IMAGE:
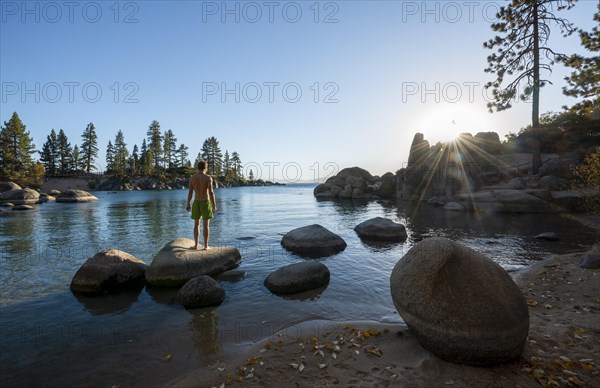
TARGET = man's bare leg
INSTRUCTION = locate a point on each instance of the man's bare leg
(206, 233)
(196, 233)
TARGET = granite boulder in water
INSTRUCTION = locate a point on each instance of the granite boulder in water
(20, 197)
(298, 277)
(108, 271)
(313, 241)
(177, 262)
(462, 306)
(381, 229)
(75, 196)
(201, 291)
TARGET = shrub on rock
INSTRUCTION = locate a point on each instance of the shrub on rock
(461, 305)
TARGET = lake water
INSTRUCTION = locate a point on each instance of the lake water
(50, 336)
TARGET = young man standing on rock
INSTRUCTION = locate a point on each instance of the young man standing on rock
(204, 202)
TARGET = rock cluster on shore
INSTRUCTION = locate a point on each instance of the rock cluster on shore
(357, 183)
(23, 198)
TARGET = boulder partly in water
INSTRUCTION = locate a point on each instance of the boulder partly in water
(298, 277)
(462, 306)
(381, 229)
(177, 262)
(75, 196)
(201, 291)
(108, 271)
(313, 241)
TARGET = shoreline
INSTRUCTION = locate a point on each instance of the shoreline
(563, 346)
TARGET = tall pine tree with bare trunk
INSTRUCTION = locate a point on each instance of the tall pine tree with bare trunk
(521, 53)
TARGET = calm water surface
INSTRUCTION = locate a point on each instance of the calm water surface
(50, 336)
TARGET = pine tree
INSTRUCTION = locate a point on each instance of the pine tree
(146, 159)
(75, 159)
(65, 153)
(49, 154)
(182, 155)
(213, 155)
(16, 149)
(199, 157)
(155, 142)
(236, 164)
(110, 158)
(522, 53)
(585, 80)
(226, 164)
(169, 148)
(120, 154)
(251, 175)
(89, 148)
(134, 161)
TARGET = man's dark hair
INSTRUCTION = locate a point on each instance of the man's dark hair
(202, 165)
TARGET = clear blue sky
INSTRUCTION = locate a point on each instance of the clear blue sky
(172, 61)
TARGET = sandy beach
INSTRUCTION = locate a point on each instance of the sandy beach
(563, 347)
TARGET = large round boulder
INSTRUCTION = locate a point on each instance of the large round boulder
(22, 207)
(108, 271)
(177, 262)
(313, 241)
(75, 196)
(381, 229)
(20, 197)
(462, 306)
(201, 291)
(7, 186)
(298, 277)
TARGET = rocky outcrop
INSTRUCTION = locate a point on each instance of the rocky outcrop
(177, 262)
(357, 183)
(20, 197)
(108, 271)
(381, 229)
(201, 291)
(7, 186)
(75, 196)
(313, 241)
(461, 305)
(298, 277)
(561, 167)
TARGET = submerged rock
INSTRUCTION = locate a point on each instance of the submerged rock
(461, 305)
(20, 197)
(177, 262)
(75, 196)
(201, 291)
(313, 241)
(298, 277)
(108, 271)
(381, 229)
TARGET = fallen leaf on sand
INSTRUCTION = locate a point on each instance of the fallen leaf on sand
(294, 365)
(334, 356)
(301, 367)
(253, 361)
(268, 345)
(321, 366)
(531, 303)
(375, 352)
(168, 357)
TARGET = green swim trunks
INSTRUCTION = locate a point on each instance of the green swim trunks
(201, 209)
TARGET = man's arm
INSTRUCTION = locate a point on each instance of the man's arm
(211, 195)
(190, 192)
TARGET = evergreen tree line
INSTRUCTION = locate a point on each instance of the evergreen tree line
(158, 153)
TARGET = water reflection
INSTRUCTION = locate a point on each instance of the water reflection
(205, 332)
(110, 303)
(310, 295)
